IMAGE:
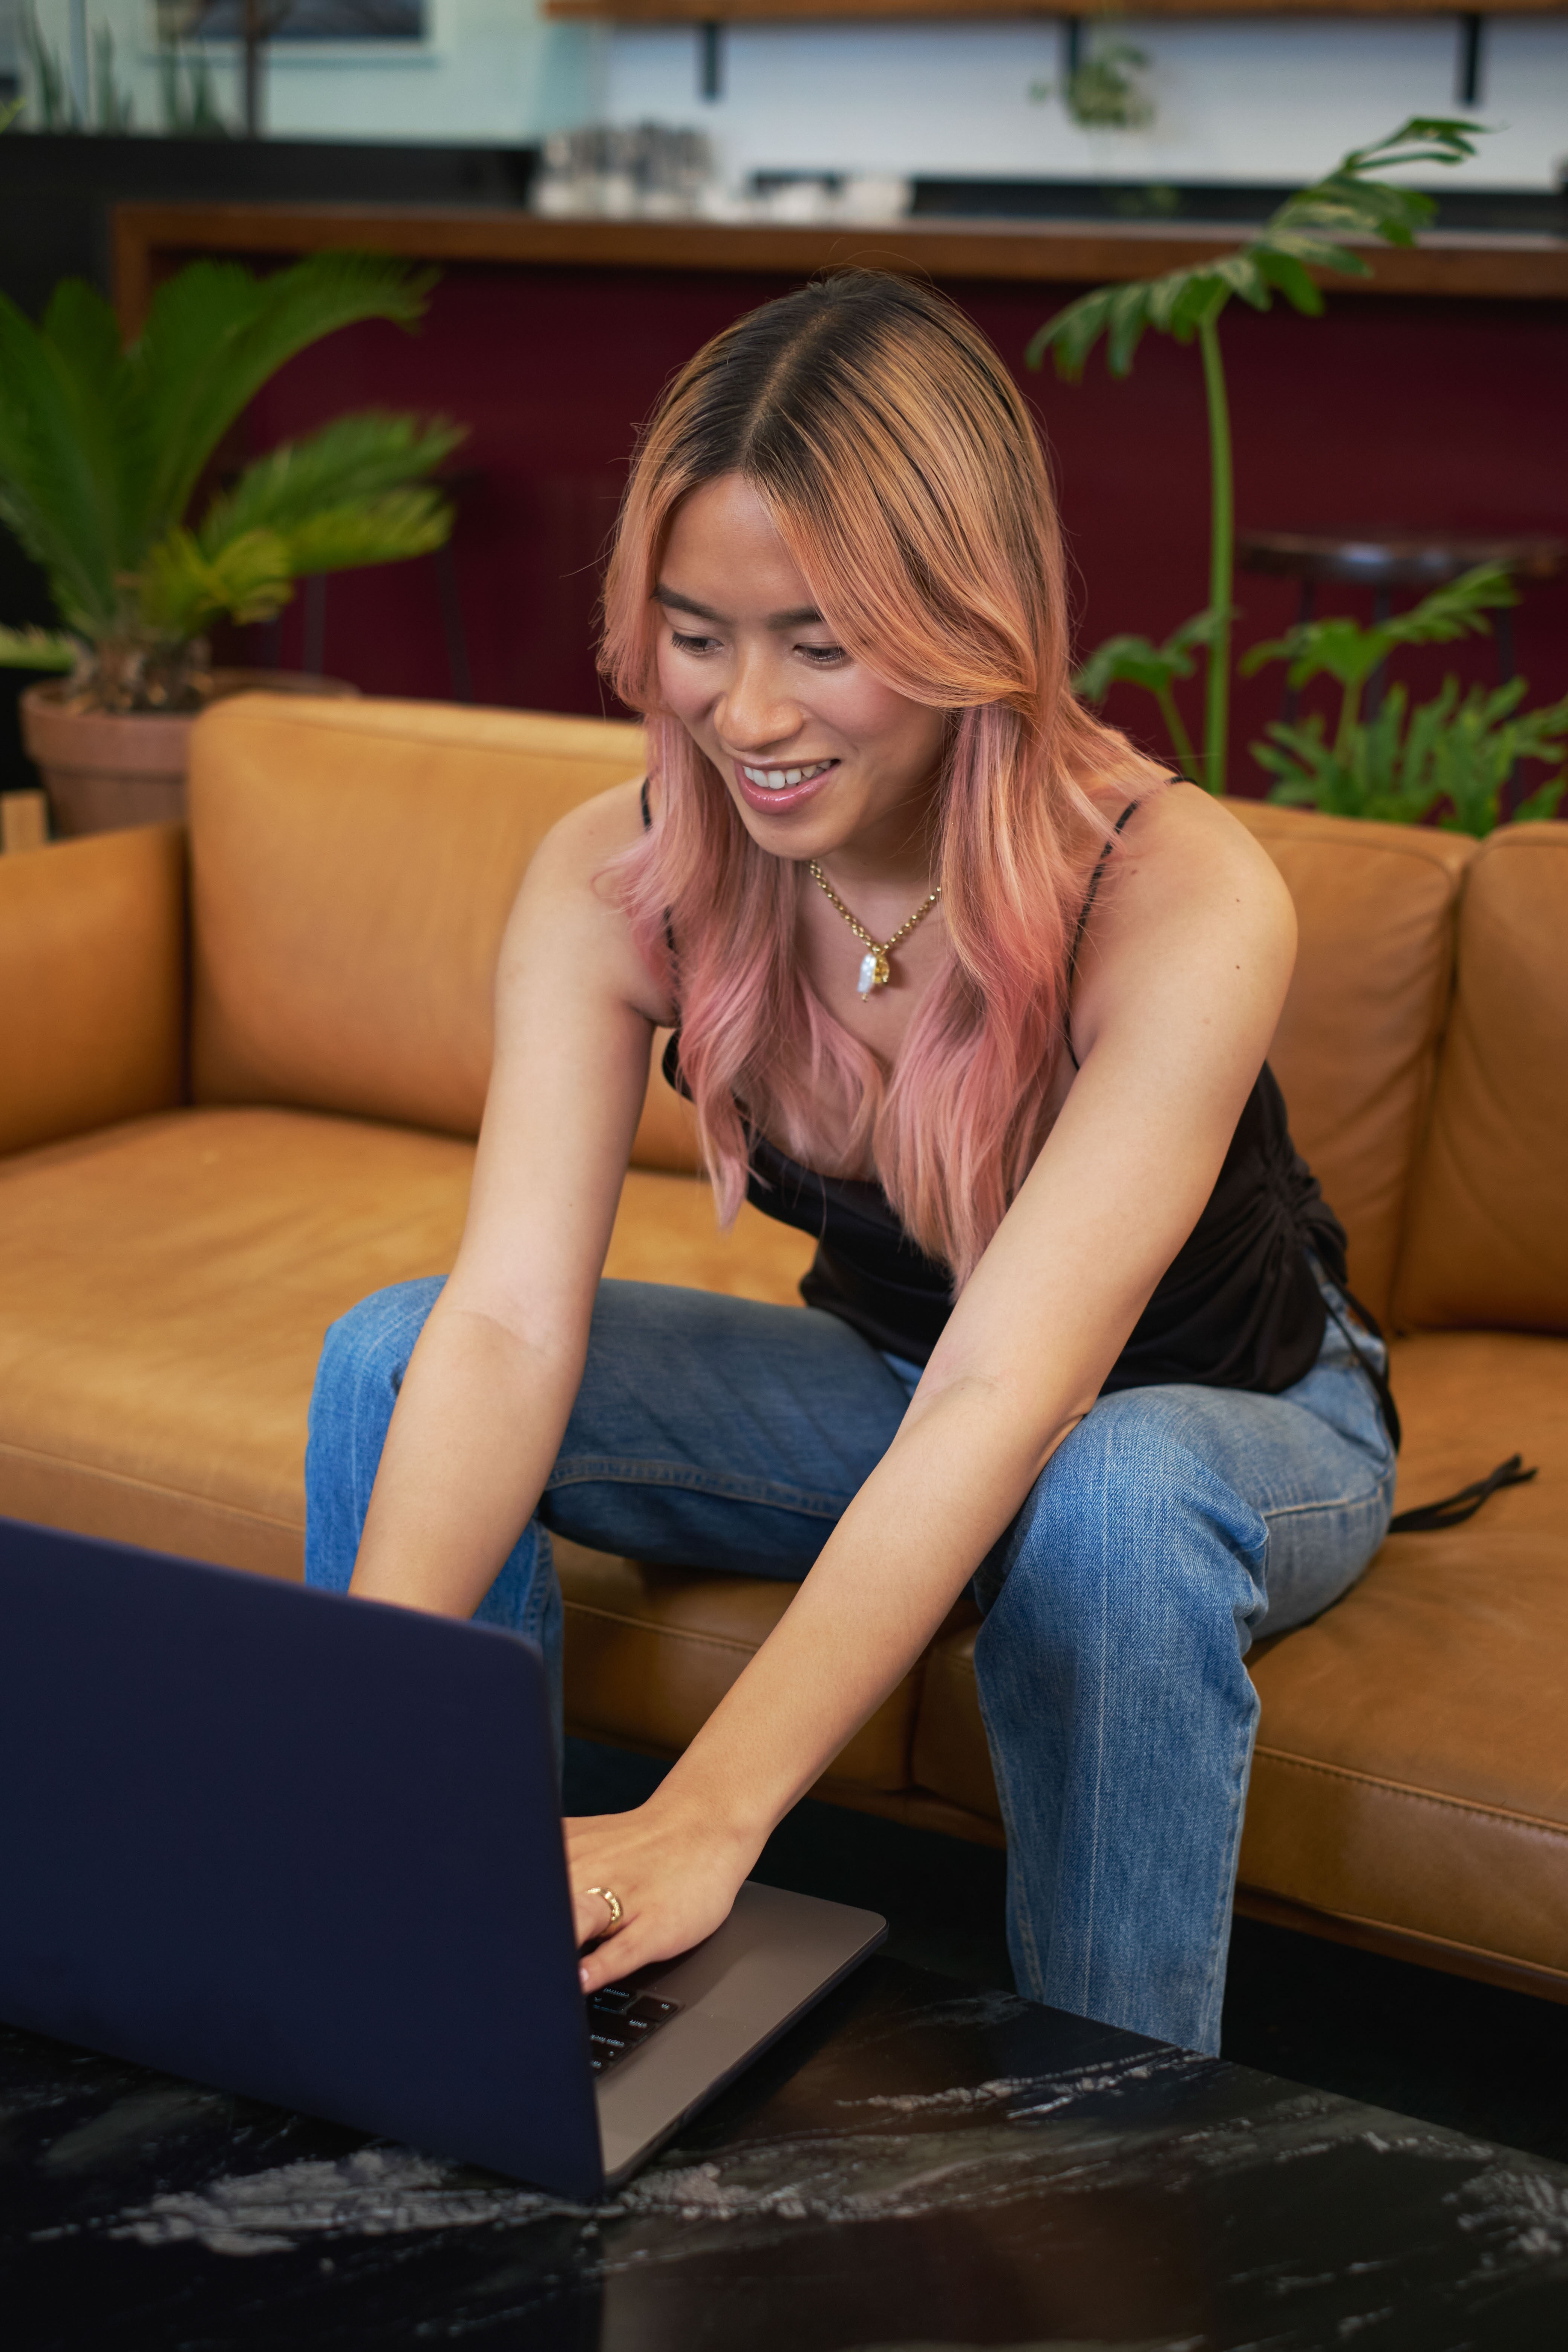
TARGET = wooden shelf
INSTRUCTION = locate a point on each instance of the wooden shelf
(737, 12)
(152, 240)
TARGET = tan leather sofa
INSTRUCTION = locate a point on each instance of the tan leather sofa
(239, 1074)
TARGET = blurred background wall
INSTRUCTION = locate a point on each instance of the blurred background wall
(1249, 99)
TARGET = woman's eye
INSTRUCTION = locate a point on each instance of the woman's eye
(691, 645)
(823, 656)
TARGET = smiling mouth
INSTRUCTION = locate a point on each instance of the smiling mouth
(779, 779)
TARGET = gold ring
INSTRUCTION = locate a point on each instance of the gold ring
(614, 1901)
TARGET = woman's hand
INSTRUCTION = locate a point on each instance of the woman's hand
(674, 1877)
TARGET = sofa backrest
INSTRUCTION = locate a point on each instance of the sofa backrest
(92, 983)
(352, 865)
(1356, 1048)
(1486, 1237)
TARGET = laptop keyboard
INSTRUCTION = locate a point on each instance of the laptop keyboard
(620, 2020)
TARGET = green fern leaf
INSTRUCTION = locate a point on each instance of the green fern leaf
(215, 333)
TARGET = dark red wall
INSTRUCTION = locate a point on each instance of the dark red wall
(1426, 413)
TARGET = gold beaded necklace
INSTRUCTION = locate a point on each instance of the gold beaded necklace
(876, 971)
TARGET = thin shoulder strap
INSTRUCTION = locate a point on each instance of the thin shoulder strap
(1084, 913)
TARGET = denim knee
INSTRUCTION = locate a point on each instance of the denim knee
(1129, 1529)
(372, 1343)
(364, 1358)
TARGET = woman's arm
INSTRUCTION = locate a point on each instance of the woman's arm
(1183, 973)
(490, 1386)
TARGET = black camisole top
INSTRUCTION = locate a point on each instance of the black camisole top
(1238, 1308)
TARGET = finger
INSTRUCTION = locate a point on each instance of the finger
(617, 1956)
(591, 1917)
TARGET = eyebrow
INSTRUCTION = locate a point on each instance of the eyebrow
(800, 616)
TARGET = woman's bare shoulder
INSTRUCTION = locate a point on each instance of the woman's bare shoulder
(569, 911)
(1180, 839)
(578, 843)
(1189, 902)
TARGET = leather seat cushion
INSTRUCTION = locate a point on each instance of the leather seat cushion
(650, 1652)
(167, 1282)
(1409, 1765)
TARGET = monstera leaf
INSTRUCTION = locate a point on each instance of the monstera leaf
(1309, 231)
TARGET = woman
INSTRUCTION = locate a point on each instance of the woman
(972, 988)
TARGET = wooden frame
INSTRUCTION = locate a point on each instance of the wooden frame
(151, 240)
(735, 11)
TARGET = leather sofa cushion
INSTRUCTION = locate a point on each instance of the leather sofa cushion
(1409, 1765)
(351, 879)
(1356, 1048)
(167, 1283)
(665, 1231)
(93, 975)
(650, 1652)
(1487, 1234)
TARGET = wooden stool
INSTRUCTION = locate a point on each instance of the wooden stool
(1383, 561)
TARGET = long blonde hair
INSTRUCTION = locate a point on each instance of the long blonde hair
(903, 473)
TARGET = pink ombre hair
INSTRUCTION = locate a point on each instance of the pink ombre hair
(904, 475)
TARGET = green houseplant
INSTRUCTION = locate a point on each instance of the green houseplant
(1457, 757)
(107, 457)
(1306, 232)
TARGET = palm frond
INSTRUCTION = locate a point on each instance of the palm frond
(387, 529)
(107, 411)
(354, 459)
(58, 481)
(215, 333)
(182, 590)
(33, 648)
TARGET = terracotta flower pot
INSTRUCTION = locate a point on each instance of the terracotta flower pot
(105, 769)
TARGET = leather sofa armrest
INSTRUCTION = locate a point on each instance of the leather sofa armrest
(92, 983)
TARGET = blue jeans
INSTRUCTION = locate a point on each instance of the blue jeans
(1173, 1527)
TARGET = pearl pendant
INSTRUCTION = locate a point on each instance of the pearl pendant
(875, 971)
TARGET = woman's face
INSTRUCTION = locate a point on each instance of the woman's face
(821, 757)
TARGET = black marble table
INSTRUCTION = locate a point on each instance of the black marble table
(916, 2166)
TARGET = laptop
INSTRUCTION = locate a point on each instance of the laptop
(309, 1849)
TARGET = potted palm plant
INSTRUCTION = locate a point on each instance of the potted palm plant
(107, 464)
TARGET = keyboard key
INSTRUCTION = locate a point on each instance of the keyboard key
(621, 2019)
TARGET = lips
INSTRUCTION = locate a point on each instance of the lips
(794, 784)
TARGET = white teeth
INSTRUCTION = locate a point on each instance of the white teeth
(776, 779)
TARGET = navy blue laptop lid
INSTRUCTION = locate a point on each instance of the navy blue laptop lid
(301, 1847)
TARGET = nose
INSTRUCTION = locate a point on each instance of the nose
(754, 714)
